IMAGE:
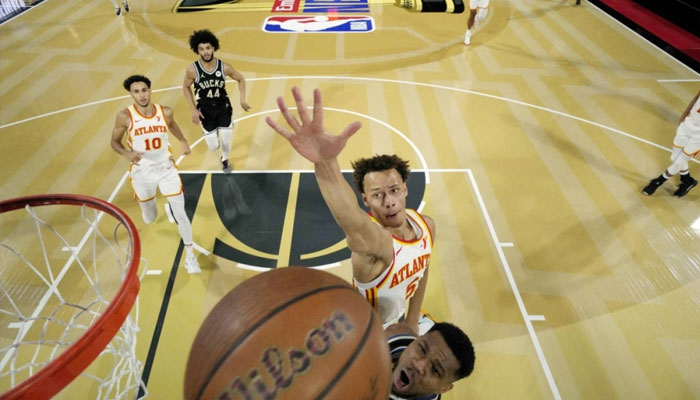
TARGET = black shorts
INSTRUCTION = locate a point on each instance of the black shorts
(216, 115)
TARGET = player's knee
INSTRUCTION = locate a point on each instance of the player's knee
(177, 205)
(680, 163)
(149, 212)
(481, 14)
(212, 140)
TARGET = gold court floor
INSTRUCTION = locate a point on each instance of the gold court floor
(533, 145)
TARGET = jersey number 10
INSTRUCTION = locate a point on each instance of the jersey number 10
(153, 144)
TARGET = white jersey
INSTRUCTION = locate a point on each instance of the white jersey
(692, 121)
(149, 135)
(392, 289)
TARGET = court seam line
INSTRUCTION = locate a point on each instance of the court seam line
(332, 77)
(527, 318)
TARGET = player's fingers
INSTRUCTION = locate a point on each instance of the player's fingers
(291, 119)
(301, 106)
(350, 130)
(318, 107)
(278, 128)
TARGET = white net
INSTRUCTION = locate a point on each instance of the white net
(61, 267)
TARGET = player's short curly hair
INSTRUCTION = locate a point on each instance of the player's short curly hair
(203, 36)
(461, 347)
(378, 163)
(136, 78)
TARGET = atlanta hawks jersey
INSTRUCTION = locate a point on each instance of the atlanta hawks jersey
(393, 288)
(210, 86)
(149, 135)
(692, 121)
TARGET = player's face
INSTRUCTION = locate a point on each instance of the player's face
(141, 93)
(427, 366)
(206, 51)
(385, 195)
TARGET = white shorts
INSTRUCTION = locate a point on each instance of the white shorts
(474, 4)
(687, 140)
(146, 177)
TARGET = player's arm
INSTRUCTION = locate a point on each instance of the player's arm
(415, 304)
(690, 106)
(371, 245)
(189, 96)
(175, 129)
(238, 77)
(398, 329)
(121, 124)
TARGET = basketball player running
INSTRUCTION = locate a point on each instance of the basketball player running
(147, 125)
(213, 109)
(477, 13)
(686, 145)
(425, 367)
(119, 9)
(391, 247)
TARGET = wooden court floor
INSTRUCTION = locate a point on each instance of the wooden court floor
(532, 146)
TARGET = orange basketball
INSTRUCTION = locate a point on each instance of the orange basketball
(292, 333)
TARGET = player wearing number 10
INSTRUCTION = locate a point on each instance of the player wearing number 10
(147, 125)
(213, 109)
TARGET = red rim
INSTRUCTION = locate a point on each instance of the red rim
(60, 372)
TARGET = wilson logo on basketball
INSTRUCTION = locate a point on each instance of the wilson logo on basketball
(281, 368)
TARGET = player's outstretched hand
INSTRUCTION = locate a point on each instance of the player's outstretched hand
(309, 138)
(245, 106)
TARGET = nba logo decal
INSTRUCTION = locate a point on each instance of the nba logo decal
(319, 23)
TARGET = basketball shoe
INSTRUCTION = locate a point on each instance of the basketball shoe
(687, 183)
(191, 264)
(653, 185)
(226, 166)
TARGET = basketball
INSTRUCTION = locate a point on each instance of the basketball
(290, 333)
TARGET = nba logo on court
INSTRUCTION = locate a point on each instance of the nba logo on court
(319, 23)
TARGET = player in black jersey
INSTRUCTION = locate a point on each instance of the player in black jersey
(213, 107)
(424, 367)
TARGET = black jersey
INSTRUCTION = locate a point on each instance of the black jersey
(397, 344)
(210, 86)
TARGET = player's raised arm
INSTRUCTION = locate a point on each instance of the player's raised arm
(189, 96)
(121, 124)
(310, 139)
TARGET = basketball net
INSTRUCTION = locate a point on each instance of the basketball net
(68, 281)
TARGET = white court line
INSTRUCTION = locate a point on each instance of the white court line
(252, 267)
(536, 317)
(153, 272)
(326, 266)
(678, 80)
(352, 78)
(516, 291)
(506, 244)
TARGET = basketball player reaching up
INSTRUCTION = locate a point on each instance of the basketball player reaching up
(390, 247)
(425, 367)
(477, 13)
(686, 145)
(147, 125)
(213, 107)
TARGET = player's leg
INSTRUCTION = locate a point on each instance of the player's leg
(473, 5)
(145, 183)
(126, 6)
(678, 162)
(225, 122)
(116, 6)
(690, 150)
(482, 11)
(171, 187)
